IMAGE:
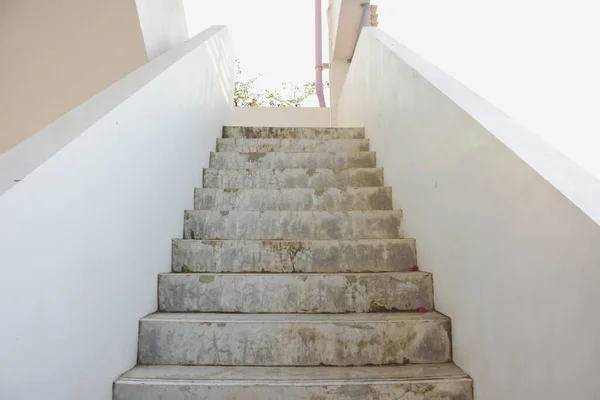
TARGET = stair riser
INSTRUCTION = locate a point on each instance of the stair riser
(293, 145)
(245, 132)
(417, 390)
(286, 342)
(292, 178)
(292, 225)
(292, 160)
(294, 256)
(331, 199)
(294, 293)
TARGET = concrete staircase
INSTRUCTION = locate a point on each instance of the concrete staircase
(293, 282)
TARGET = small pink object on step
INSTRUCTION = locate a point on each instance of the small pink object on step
(421, 309)
(414, 268)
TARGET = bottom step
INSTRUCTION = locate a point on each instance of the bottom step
(410, 382)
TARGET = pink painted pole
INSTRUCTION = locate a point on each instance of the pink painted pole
(319, 54)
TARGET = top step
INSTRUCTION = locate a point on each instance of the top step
(255, 132)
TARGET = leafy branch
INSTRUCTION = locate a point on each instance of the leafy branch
(290, 95)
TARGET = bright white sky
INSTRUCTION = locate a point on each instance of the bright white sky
(537, 60)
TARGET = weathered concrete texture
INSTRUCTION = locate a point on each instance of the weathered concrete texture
(249, 132)
(294, 339)
(293, 256)
(292, 266)
(293, 145)
(406, 382)
(294, 225)
(408, 372)
(295, 293)
(460, 389)
(297, 199)
(292, 160)
(292, 178)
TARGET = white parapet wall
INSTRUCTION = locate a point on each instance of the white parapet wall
(88, 208)
(508, 226)
(163, 25)
(312, 117)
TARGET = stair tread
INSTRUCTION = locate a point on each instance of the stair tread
(291, 132)
(296, 189)
(323, 241)
(337, 170)
(237, 224)
(296, 199)
(283, 212)
(312, 171)
(295, 318)
(294, 339)
(276, 140)
(232, 374)
(309, 256)
(292, 177)
(276, 159)
(293, 145)
(294, 292)
(276, 274)
(299, 153)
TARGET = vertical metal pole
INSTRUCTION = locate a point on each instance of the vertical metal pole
(319, 54)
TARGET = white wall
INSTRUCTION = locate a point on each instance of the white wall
(282, 116)
(345, 19)
(88, 228)
(163, 25)
(535, 60)
(508, 226)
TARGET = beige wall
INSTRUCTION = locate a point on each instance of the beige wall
(56, 54)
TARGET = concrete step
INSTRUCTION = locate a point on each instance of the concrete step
(294, 225)
(292, 178)
(177, 382)
(294, 339)
(294, 145)
(295, 293)
(298, 199)
(226, 160)
(250, 132)
(310, 256)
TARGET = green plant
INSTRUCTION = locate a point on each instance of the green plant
(244, 92)
(290, 95)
